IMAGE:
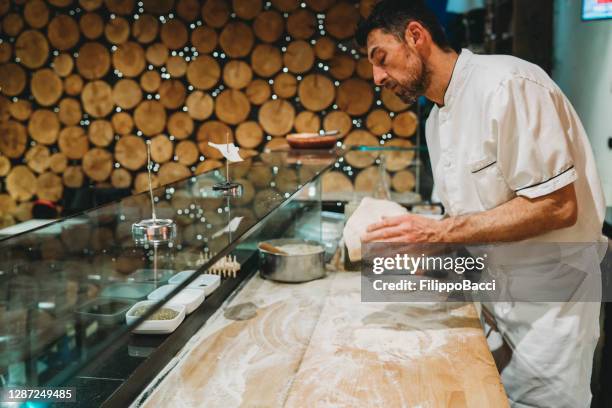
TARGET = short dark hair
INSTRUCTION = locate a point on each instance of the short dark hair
(392, 16)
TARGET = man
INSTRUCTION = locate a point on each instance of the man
(511, 162)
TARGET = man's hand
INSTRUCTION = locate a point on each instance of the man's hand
(407, 228)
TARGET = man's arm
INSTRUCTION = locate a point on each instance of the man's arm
(518, 219)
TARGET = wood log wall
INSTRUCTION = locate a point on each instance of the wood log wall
(85, 83)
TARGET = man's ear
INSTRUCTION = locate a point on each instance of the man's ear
(414, 33)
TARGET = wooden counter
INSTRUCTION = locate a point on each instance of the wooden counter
(317, 345)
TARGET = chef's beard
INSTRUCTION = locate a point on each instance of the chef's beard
(411, 88)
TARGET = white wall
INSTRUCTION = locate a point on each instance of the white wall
(583, 69)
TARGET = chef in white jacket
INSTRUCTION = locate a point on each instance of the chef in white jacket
(511, 163)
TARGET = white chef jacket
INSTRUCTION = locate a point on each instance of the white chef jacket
(507, 130)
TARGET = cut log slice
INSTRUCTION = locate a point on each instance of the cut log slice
(145, 28)
(180, 125)
(379, 122)
(141, 182)
(58, 162)
(336, 182)
(98, 164)
(246, 9)
(32, 49)
(237, 39)
(266, 60)
(286, 180)
(286, 5)
(70, 112)
(157, 54)
(320, 5)
(7, 205)
(276, 144)
(355, 97)
(338, 120)
(122, 7)
(162, 149)
(150, 81)
(49, 187)
(23, 212)
(172, 93)
(399, 159)
(73, 142)
(204, 39)
(366, 7)
(73, 84)
(90, 5)
(203, 72)
(14, 139)
(216, 13)
(63, 32)
(150, 118)
(5, 112)
(21, 183)
(63, 64)
(93, 61)
(121, 178)
(6, 52)
(158, 7)
(364, 69)
(131, 152)
(200, 105)
(36, 13)
(367, 180)
(260, 175)
(403, 181)
(237, 74)
(46, 87)
(232, 107)
(56, 3)
(360, 159)
(73, 177)
(307, 122)
(258, 92)
(249, 135)
(122, 123)
(186, 152)
(316, 92)
(342, 67)
(21, 109)
(269, 26)
(301, 24)
(188, 10)
(5, 6)
(12, 79)
(44, 126)
(117, 30)
(5, 166)
(341, 20)
(207, 165)
(405, 124)
(172, 172)
(277, 117)
(325, 48)
(92, 25)
(129, 59)
(391, 101)
(216, 132)
(285, 85)
(127, 93)
(176, 66)
(97, 99)
(299, 57)
(174, 34)
(100, 133)
(12, 24)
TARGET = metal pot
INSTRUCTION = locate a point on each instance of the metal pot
(292, 268)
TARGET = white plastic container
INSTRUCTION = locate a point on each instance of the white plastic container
(155, 326)
(207, 282)
(181, 277)
(190, 298)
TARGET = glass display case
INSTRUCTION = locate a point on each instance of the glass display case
(70, 290)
